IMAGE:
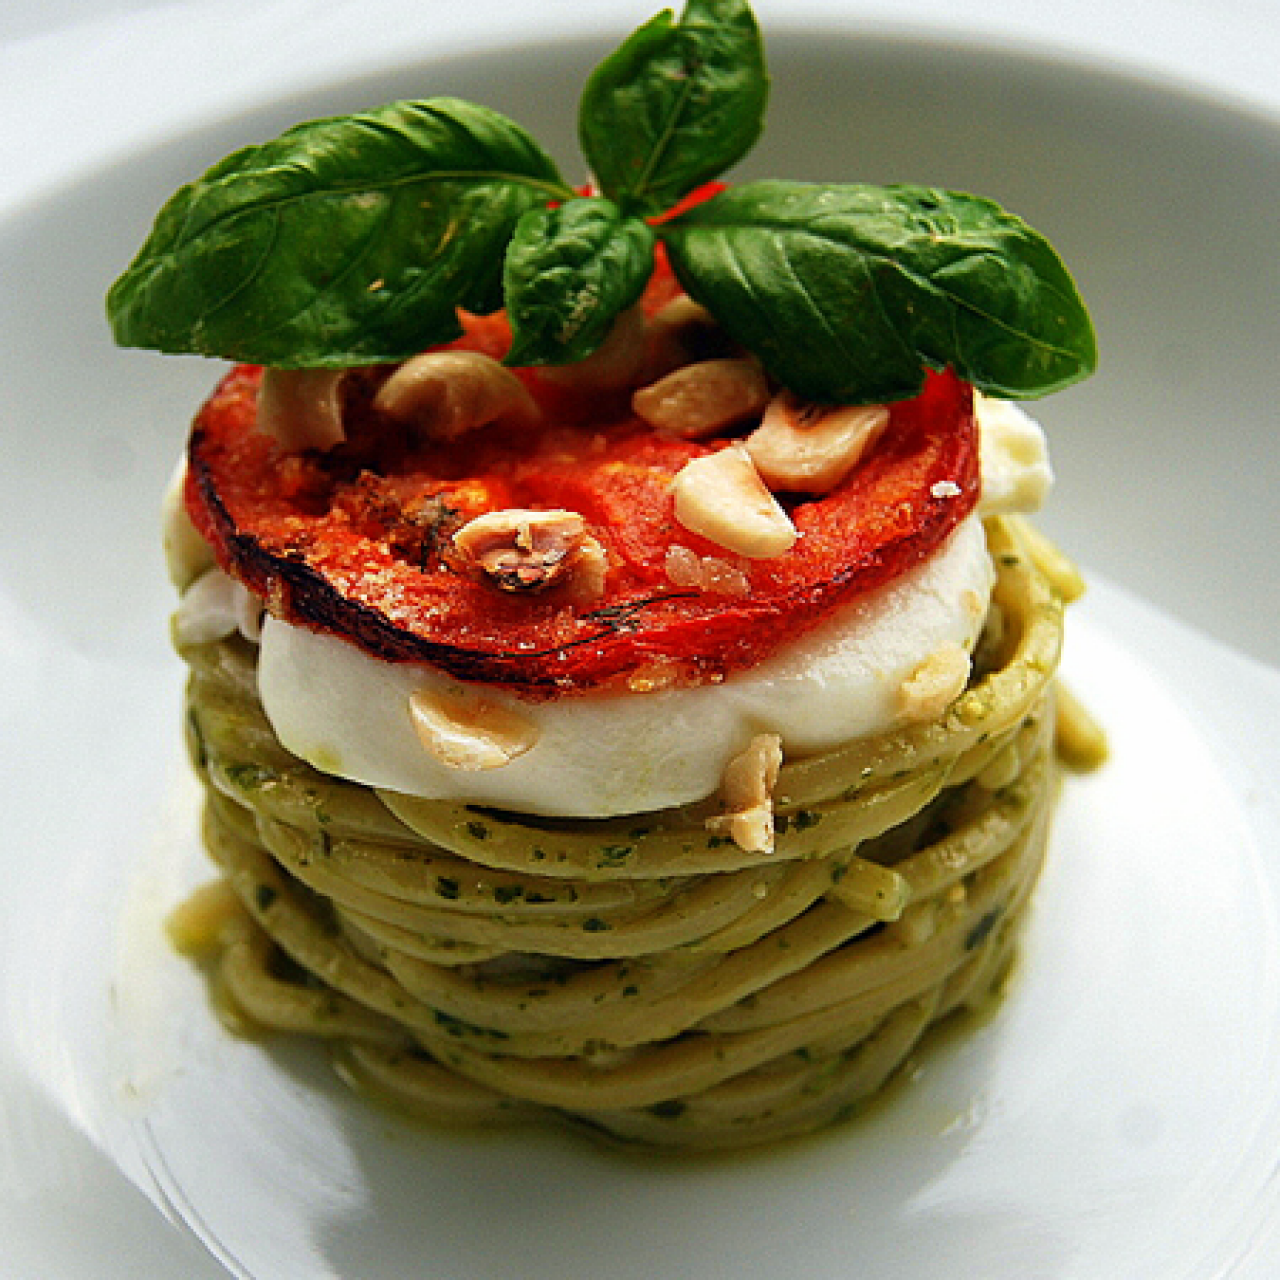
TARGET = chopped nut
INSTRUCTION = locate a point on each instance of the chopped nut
(586, 571)
(467, 732)
(523, 550)
(680, 333)
(810, 448)
(705, 398)
(935, 684)
(681, 312)
(685, 568)
(448, 393)
(654, 676)
(746, 790)
(301, 408)
(722, 497)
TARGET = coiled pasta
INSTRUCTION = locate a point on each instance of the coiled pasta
(643, 976)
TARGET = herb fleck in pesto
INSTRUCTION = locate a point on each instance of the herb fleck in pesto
(615, 855)
(448, 887)
(264, 896)
(980, 931)
(477, 830)
(672, 1110)
(801, 820)
(504, 894)
(248, 777)
(593, 924)
(457, 1027)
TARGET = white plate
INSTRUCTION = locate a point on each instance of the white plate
(1118, 1117)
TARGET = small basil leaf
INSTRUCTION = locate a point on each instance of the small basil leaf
(569, 271)
(350, 240)
(846, 293)
(676, 105)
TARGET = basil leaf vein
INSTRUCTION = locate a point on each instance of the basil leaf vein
(847, 293)
(569, 271)
(676, 105)
(350, 240)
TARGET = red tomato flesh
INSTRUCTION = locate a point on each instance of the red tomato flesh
(355, 541)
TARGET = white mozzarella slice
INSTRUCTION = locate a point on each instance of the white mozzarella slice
(601, 755)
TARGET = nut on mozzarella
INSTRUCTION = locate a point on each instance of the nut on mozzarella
(467, 732)
(935, 684)
(651, 744)
(746, 791)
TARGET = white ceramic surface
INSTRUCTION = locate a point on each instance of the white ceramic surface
(1119, 1117)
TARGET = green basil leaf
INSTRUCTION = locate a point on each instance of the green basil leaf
(350, 240)
(847, 293)
(569, 271)
(676, 105)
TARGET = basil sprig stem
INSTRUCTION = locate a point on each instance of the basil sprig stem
(357, 240)
(675, 106)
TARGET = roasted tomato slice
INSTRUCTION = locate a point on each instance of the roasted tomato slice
(357, 541)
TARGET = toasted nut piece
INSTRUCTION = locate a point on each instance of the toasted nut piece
(448, 393)
(810, 448)
(935, 684)
(614, 365)
(522, 550)
(682, 312)
(653, 677)
(746, 790)
(722, 497)
(681, 333)
(704, 398)
(587, 570)
(301, 408)
(686, 568)
(467, 732)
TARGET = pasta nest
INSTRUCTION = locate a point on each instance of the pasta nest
(642, 976)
